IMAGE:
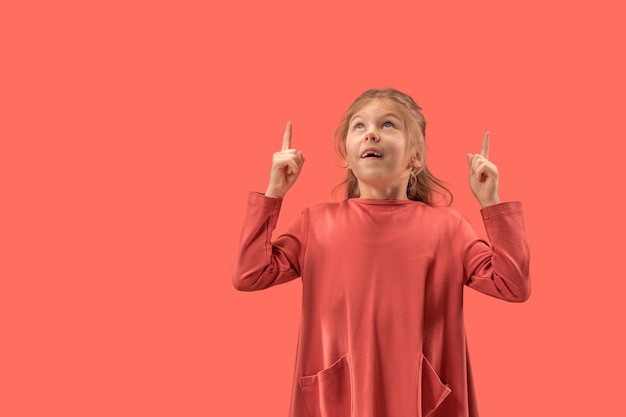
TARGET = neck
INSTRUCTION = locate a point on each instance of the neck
(371, 192)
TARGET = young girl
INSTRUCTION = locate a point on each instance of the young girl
(382, 332)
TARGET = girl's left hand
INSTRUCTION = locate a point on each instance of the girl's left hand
(483, 175)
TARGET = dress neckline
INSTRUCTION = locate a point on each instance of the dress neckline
(382, 202)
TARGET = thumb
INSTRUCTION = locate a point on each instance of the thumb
(469, 162)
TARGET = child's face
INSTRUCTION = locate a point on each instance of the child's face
(379, 152)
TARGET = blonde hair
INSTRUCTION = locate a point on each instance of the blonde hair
(422, 183)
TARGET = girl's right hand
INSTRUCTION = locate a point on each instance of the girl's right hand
(286, 166)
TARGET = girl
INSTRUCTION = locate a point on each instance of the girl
(382, 332)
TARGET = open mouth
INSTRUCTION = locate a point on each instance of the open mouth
(371, 154)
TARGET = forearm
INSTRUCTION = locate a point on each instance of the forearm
(259, 263)
(504, 272)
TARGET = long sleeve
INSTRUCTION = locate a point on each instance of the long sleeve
(501, 268)
(261, 263)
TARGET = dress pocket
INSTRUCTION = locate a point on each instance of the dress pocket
(328, 392)
(433, 391)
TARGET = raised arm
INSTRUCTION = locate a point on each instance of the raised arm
(499, 268)
(261, 262)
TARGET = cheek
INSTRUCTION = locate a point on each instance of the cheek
(351, 146)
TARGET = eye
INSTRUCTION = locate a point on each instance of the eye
(388, 124)
(359, 126)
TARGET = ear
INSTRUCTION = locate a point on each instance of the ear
(417, 160)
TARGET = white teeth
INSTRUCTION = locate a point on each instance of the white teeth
(370, 153)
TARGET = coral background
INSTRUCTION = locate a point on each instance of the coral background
(132, 131)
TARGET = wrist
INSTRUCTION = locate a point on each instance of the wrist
(273, 193)
(491, 202)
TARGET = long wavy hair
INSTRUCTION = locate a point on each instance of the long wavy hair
(422, 185)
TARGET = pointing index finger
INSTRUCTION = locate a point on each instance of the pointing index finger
(287, 137)
(485, 149)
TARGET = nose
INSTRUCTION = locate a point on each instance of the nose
(372, 135)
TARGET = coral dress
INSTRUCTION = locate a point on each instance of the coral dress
(382, 331)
